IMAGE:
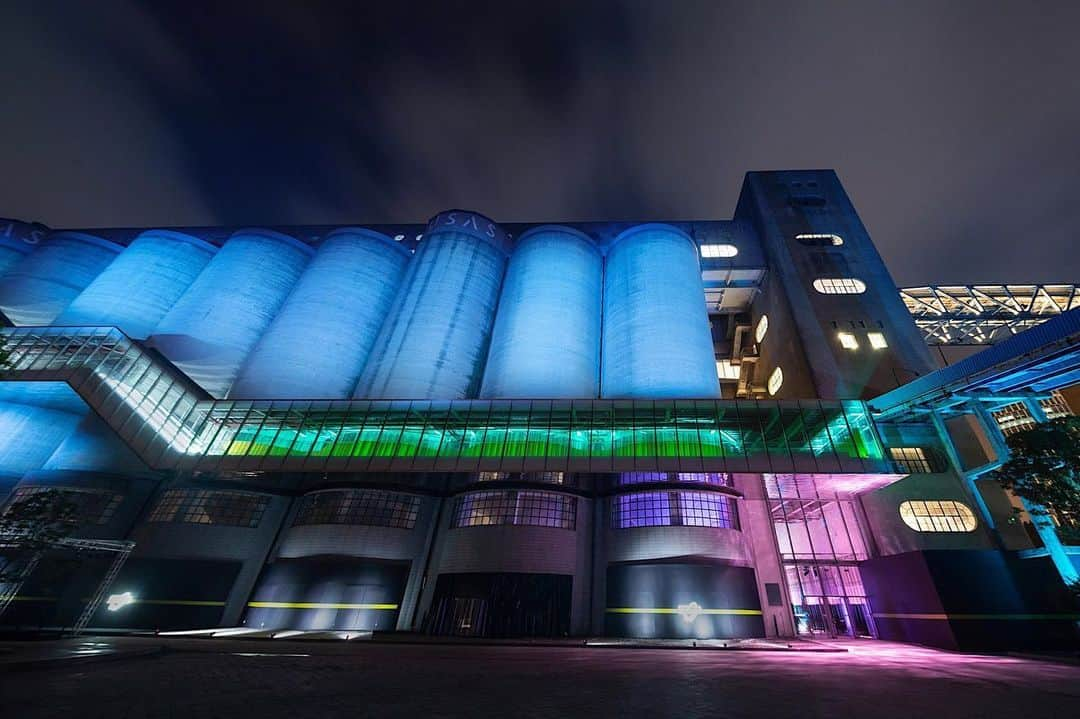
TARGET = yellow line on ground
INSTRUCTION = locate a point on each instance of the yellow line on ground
(33, 599)
(317, 605)
(675, 610)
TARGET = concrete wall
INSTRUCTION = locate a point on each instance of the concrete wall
(513, 548)
(249, 546)
(783, 205)
(892, 536)
(384, 543)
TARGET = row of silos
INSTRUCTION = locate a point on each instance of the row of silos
(268, 316)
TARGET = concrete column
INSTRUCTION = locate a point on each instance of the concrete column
(756, 524)
(969, 479)
(409, 617)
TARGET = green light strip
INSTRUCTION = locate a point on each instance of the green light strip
(155, 410)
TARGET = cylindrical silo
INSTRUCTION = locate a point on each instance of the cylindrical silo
(35, 417)
(94, 447)
(17, 239)
(434, 341)
(317, 345)
(213, 326)
(142, 284)
(10, 253)
(657, 342)
(546, 340)
(38, 287)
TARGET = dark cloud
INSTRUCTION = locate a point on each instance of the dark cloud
(953, 125)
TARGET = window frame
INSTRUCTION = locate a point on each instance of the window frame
(839, 286)
(761, 329)
(776, 377)
(961, 520)
(718, 251)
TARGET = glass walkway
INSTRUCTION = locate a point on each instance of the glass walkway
(172, 424)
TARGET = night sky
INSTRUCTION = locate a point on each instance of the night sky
(955, 126)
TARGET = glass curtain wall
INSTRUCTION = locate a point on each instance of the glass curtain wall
(821, 543)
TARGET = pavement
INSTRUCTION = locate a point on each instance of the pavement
(210, 678)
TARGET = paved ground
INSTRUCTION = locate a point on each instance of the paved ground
(264, 680)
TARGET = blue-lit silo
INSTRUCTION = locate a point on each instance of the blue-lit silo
(546, 339)
(435, 338)
(35, 417)
(38, 287)
(317, 345)
(94, 447)
(214, 325)
(142, 284)
(12, 251)
(657, 342)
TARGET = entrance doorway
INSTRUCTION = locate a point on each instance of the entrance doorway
(828, 600)
(500, 605)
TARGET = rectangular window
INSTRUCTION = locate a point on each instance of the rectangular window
(673, 509)
(848, 341)
(91, 506)
(201, 506)
(514, 507)
(727, 371)
(363, 507)
(912, 459)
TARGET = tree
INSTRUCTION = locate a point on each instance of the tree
(1044, 469)
(30, 526)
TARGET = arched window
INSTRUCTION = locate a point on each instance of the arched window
(761, 329)
(776, 381)
(944, 515)
(714, 251)
(839, 286)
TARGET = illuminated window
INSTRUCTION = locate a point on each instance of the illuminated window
(673, 509)
(726, 370)
(719, 478)
(641, 477)
(848, 341)
(776, 381)
(493, 476)
(937, 516)
(877, 340)
(820, 240)
(537, 509)
(713, 251)
(912, 459)
(363, 507)
(761, 329)
(839, 286)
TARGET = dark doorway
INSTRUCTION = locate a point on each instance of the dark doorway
(501, 605)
